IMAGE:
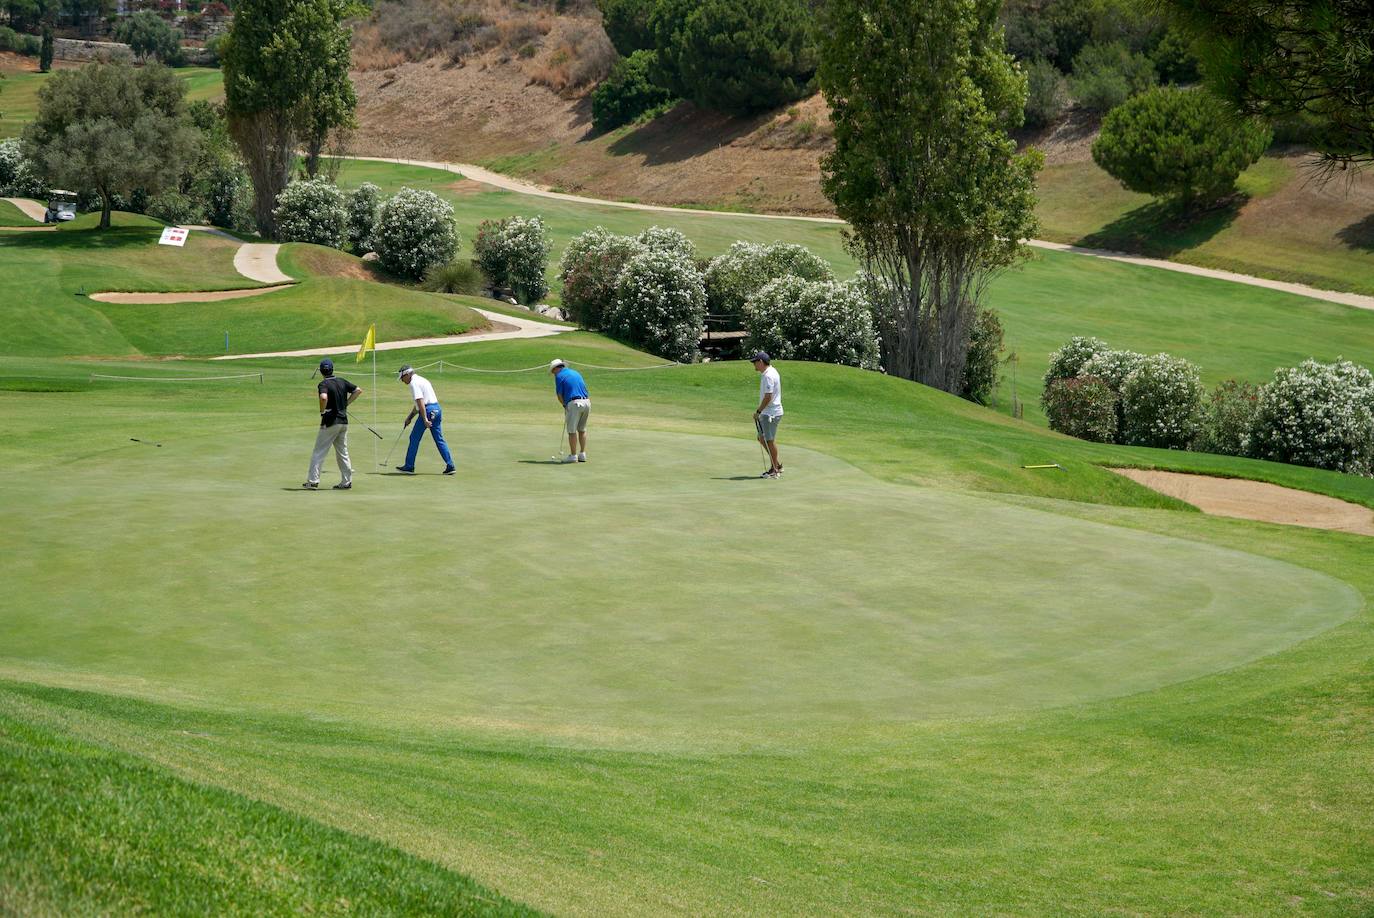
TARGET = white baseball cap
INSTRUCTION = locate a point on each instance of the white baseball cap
(555, 364)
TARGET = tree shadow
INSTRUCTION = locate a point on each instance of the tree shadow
(683, 133)
(1161, 229)
(1359, 235)
(84, 239)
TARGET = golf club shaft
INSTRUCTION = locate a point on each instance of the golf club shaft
(393, 448)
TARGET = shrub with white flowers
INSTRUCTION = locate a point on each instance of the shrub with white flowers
(17, 176)
(1318, 414)
(1112, 367)
(1228, 419)
(1067, 362)
(591, 263)
(665, 239)
(824, 321)
(660, 304)
(514, 253)
(747, 267)
(363, 205)
(415, 231)
(1161, 403)
(312, 211)
(1082, 407)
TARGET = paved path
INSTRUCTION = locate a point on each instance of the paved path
(524, 328)
(505, 182)
(34, 210)
(258, 261)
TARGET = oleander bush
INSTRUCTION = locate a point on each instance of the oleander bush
(1067, 362)
(312, 211)
(745, 268)
(1228, 419)
(363, 204)
(795, 319)
(1112, 367)
(514, 253)
(660, 304)
(1161, 403)
(1317, 414)
(589, 270)
(415, 231)
(1082, 406)
(666, 239)
(18, 177)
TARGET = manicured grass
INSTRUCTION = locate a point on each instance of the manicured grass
(1230, 330)
(88, 827)
(654, 683)
(13, 216)
(42, 277)
(19, 94)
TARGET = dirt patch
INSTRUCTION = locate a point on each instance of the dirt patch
(209, 296)
(320, 262)
(1070, 140)
(467, 187)
(1257, 500)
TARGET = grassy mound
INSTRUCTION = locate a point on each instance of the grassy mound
(13, 216)
(43, 277)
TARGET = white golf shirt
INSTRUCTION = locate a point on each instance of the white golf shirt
(421, 389)
(769, 381)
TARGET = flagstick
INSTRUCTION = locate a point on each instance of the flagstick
(374, 396)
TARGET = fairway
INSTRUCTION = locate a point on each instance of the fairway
(625, 593)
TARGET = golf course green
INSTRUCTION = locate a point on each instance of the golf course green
(912, 676)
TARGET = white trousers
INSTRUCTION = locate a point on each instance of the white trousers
(336, 436)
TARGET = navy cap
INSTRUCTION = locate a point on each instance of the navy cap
(326, 365)
(761, 355)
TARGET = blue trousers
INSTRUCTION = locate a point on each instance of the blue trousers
(417, 433)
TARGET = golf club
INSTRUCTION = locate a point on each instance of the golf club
(393, 446)
(758, 429)
(558, 456)
(1052, 465)
(145, 442)
(374, 433)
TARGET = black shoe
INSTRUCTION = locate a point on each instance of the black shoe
(450, 471)
(343, 487)
(311, 485)
(408, 469)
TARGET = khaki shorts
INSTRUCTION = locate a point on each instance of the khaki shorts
(576, 413)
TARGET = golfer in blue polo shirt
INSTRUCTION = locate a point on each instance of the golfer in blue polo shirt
(577, 406)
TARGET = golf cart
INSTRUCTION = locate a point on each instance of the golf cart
(61, 206)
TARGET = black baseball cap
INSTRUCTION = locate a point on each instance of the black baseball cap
(761, 355)
(326, 365)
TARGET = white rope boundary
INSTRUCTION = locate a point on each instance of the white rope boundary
(544, 366)
(257, 376)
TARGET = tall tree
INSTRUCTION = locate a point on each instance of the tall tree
(45, 51)
(922, 96)
(286, 82)
(111, 128)
(1283, 57)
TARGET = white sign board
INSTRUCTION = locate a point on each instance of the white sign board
(174, 235)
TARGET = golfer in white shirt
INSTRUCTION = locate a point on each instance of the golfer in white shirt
(427, 409)
(769, 413)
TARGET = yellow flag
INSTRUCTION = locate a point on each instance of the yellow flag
(369, 343)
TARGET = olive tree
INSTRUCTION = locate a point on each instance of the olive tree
(922, 97)
(111, 129)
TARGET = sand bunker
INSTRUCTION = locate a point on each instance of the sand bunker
(1257, 500)
(207, 296)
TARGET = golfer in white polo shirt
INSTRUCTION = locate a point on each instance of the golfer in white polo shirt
(769, 412)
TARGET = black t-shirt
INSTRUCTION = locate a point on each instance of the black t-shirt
(336, 390)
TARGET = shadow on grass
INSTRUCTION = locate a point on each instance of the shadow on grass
(1359, 235)
(1161, 230)
(85, 240)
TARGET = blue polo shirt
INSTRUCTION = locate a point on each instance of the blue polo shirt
(569, 385)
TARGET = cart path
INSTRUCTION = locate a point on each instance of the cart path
(518, 328)
(32, 209)
(1257, 500)
(506, 183)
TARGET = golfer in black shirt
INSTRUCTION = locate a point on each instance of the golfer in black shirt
(336, 394)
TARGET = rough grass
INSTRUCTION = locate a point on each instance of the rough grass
(1238, 792)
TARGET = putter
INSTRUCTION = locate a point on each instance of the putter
(393, 446)
(558, 456)
(375, 434)
(758, 429)
(145, 442)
